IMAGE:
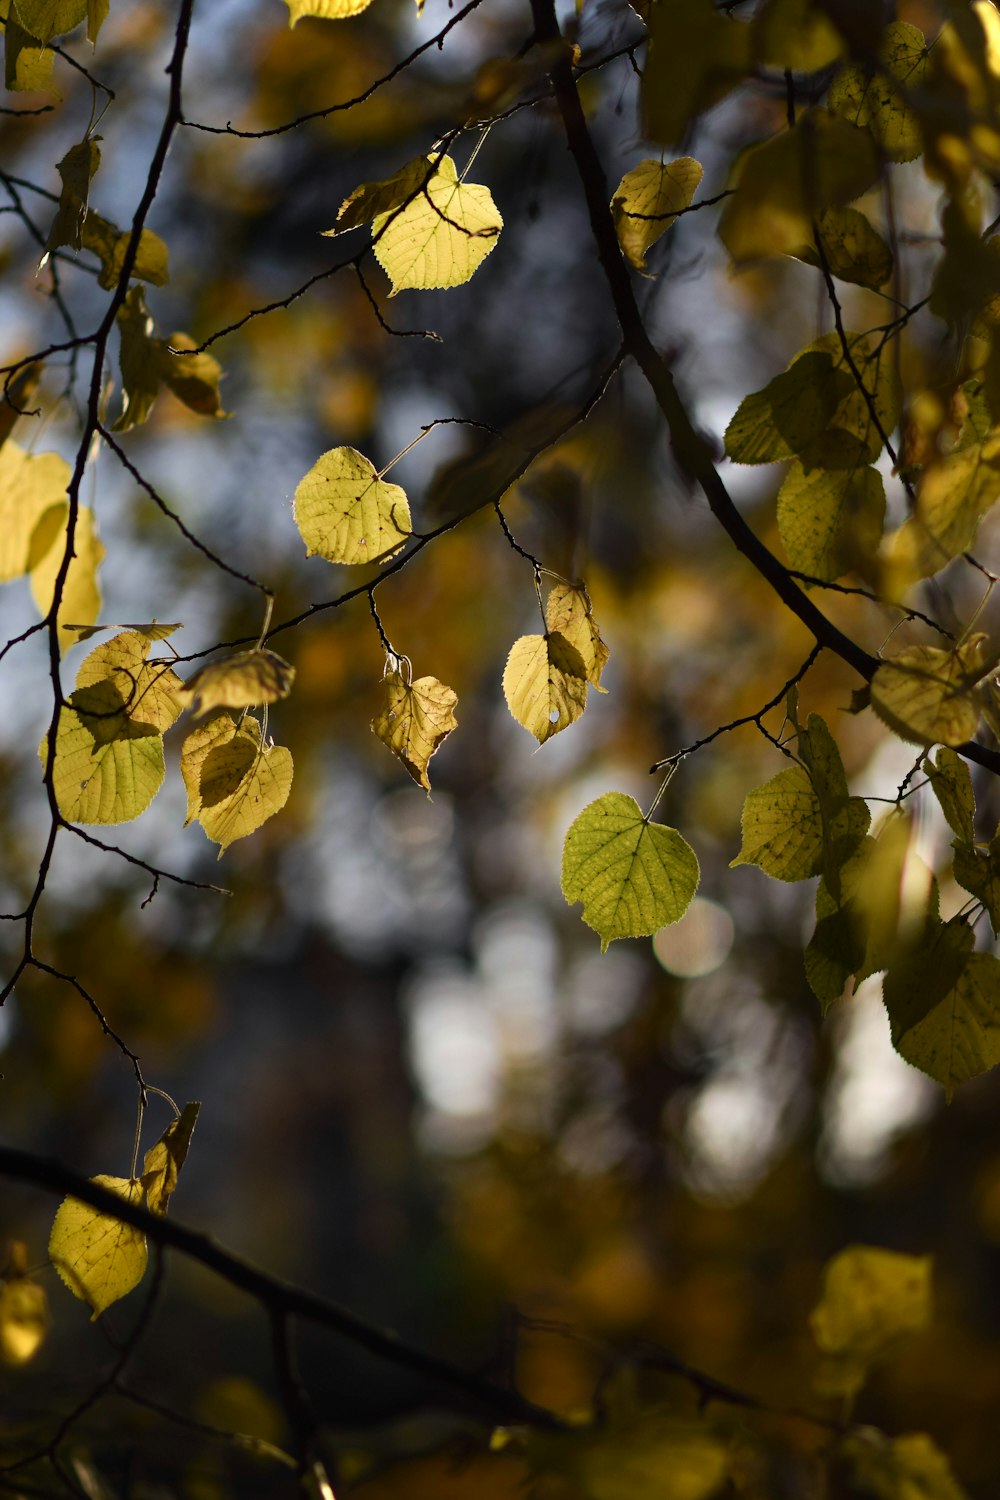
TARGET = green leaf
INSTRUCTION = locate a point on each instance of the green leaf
(632, 876)
(845, 819)
(346, 513)
(81, 594)
(545, 684)
(782, 184)
(246, 680)
(568, 612)
(44, 19)
(32, 507)
(696, 57)
(877, 100)
(941, 999)
(77, 170)
(98, 1257)
(952, 786)
(864, 412)
(109, 244)
(783, 827)
(792, 411)
(927, 695)
(978, 872)
(910, 1467)
(370, 200)
(831, 519)
(872, 1300)
(414, 719)
(855, 252)
(441, 237)
(234, 781)
(162, 1162)
(953, 495)
(647, 201)
(27, 66)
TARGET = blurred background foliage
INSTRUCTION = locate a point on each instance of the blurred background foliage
(425, 1093)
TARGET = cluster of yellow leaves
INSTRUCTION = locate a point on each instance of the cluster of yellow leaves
(547, 676)
(99, 1257)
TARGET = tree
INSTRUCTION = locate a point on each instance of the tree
(810, 247)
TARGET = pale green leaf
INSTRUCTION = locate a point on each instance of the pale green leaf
(32, 507)
(109, 244)
(441, 237)
(632, 876)
(414, 719)
(44, 19)
(792, 411)
(98, 1257)
(545, 684)
(978, 872)
(783, 827)
(872, 1300)
(162, 1162)
(647, 200)
(568, 612)
(864, 412)
(941, 999)
(81, 594)
(910, 1467)
(346, 513)
(952, 786)
(831, 519)
(24, 1319)
(234, 781)
(928, 696)
(242, 681)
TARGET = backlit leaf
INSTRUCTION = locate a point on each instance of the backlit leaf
(32, 507)
(77, 170)
(139, 358)
(109, 244)
(791, 412)
(928, 696)
(16, 399)
(98, 1257)
(647, 200)
(325, 10)
(632, 876)
(81, 594)
(952, 786)
(234, 782)
(978, 872)
(413, 720)
(27, 67)
(854, 251)
(953, 495)
(831, 519)
(568, 612)
(877, 100)
(371, 199)
(441, 237)
(941, 999)
(697, 56)
(162, 1162)
(24, 1313)
(193, 378)
(346, 513)
(242, 681)
(796, 34)
(45, 19)
(783, 827)
(910, 1467)
(545, 684)
(872, 1300)
(783, 183)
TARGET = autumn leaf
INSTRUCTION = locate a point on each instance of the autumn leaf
(647, 201)
(927, 695)
(81, 593)
(568, 613)
(545, 684)
(414, 719)
(162, 1162)
(242, 681)
(872, 1300)
(98, 1257)
(234, 781)
(32, 507)
(441, 236)
(347, 513)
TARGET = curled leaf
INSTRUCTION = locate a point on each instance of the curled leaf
(414, 720)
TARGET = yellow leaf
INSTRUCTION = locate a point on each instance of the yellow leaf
(98, 1257)
(346, 513)
(242, 681)
(872, 1299)
(27, 67)
(648, 199)
(81, 595)
(796, 34)
(854, 251)
(325, 10)
(109, 244)
(696, 57)
(910, 1467)
(953, 495)
(831, 519)
(568, 613)
(234, 782)
(441, 237)
(32, 507)
(927, 695)
(24, 1318)
(162, 1163)
(414, 719)
(44, 19)
(371, 199)
(791, 412)
(878, 101)
(545, 684)
(783, 183)
(193, 378)
(782, 827)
